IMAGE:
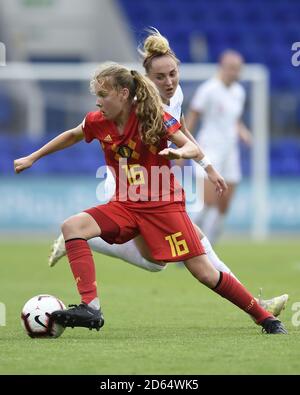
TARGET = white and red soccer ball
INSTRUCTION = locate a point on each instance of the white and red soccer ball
(35, 316)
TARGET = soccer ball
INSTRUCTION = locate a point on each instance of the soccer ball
(35, 317)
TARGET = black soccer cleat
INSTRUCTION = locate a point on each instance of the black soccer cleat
(79, 315)
(273, 326)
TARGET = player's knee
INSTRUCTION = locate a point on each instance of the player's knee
(71, 225)
(205, 278)
(66, 227)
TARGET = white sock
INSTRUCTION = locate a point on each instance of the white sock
(214, 259)
(95, 304)
(212, 223)
(127, 252)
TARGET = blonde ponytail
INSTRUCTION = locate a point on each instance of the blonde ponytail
(149, 109)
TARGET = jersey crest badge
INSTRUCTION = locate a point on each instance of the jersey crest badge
(125, 152)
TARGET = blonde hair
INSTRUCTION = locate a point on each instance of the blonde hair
(142, 91)
(155, 45)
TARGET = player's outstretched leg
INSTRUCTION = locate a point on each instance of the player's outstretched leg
(274, 305)
(228, 287)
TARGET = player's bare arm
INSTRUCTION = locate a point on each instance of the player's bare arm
(186, 130)
(188, 134)
(212, 174)
(216, 179)
(62, 141)
(186, 148)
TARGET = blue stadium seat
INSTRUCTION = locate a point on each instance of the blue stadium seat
(285, 157)
(261, 31)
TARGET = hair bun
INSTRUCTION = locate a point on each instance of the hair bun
(156, 44)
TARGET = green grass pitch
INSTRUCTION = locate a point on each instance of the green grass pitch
(156, 323)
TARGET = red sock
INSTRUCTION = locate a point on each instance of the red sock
(83, 268)
(229, 288)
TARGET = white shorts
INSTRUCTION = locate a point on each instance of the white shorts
(226, 160)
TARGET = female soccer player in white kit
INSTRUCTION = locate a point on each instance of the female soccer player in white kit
(219, 102)
(161, 66)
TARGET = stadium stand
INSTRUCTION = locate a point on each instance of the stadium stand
(262, 31)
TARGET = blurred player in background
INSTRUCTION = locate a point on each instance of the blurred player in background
(161, 66)
(131, 113)
(219, 102)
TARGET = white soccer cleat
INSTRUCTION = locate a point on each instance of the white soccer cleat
(274, 305)
(58, 250)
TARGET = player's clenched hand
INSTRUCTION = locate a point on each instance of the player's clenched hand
(22, 164)
(217, 180)
(170, 153)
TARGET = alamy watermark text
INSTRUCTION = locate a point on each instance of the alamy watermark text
(296, 56)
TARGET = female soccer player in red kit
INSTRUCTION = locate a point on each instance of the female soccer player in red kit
(133, 131)
(162, 67)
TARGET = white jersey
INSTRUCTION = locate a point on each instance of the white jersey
(175, 106)
(221, 107)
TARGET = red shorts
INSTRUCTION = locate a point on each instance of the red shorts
(170, 235)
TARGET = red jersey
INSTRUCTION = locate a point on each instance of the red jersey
(143, 178)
